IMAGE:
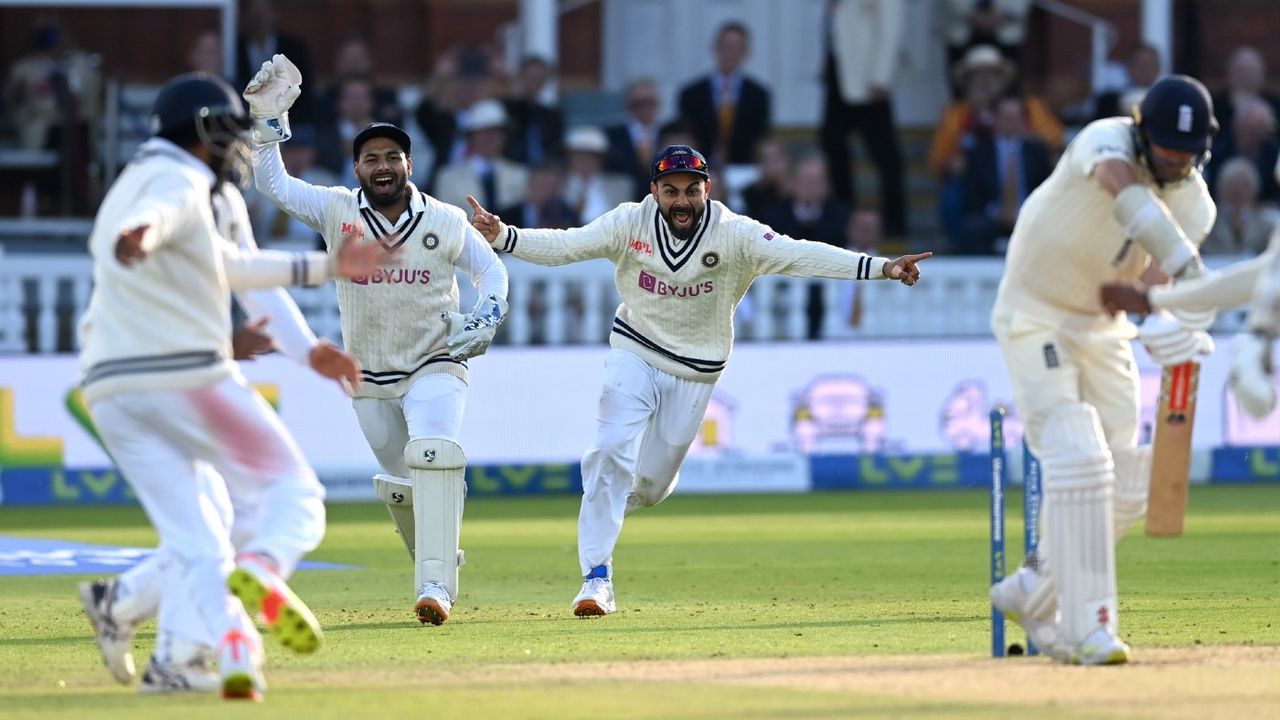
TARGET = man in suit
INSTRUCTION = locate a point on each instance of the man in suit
(260, 39)
(483, 172)
(1001, 171)
(537, 129)
(815, 214)
(864, 45)
(633, 143)
(728, 111)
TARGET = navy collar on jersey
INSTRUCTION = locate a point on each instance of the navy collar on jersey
(405, 225)
(675, 253)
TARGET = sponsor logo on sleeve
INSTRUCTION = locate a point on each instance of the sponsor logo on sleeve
(640, 246)
(357, 228)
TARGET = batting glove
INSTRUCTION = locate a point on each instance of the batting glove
(1251, 371)
(1169, 343)
(270, 94)
(470, 334)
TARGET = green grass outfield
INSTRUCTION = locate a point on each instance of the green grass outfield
(837, 575)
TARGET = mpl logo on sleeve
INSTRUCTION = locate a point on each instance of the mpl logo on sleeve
(640, 247)
(349, 228)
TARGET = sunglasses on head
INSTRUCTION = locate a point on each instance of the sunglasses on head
(680, 161)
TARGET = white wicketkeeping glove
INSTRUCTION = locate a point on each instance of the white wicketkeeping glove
(270, 94)
(470, 334)
(1251, 371)
(1169, 343)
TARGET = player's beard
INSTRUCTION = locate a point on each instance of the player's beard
(695, 218)
(380, 198)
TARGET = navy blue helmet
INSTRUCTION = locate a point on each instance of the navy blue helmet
(199, 108)
(1176, 113)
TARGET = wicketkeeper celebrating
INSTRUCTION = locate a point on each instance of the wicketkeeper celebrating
(403, 325)
(680, 284)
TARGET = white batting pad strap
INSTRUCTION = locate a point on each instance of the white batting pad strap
(1042, 601)
(438, 469)
(397, 494)
(1076, 453)
(1133, 483)
(1146, 219)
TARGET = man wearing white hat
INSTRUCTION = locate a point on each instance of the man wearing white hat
(590, 190)
(483, 172)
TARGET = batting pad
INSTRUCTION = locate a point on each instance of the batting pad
(1133, 484)
(1078, 482)
(438, 468)
(397, 493)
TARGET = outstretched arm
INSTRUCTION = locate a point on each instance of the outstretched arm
(774, 254)
(550, 247)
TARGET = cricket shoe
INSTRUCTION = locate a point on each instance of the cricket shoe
(263, 592)
(115, 640)
(1011, 597)
(433, 604)
(1101, 647)
(240, 666)
(596, 596)
(195, 675)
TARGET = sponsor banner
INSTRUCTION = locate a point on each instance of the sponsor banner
(1246, 465)
(38, 556)
(775, 473)
(900, 472)
(105, 486)
(531, 413)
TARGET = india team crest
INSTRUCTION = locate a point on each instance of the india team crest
(710, 259)
(431, 241)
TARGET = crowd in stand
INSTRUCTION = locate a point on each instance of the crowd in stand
(479, 129)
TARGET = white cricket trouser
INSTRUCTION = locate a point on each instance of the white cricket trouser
(1049, 367)
(170, 445)
(431, 408)
(647, 420)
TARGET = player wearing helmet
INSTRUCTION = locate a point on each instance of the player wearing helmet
(1126, 195)
(170, 405)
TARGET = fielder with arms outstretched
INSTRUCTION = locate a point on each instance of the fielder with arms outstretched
(403, 324)
(1127, 193)
(165, 397)
(183, 660)
(683, 264)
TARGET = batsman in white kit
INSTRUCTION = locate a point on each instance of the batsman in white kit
(402, 324)
(166, 398)
(184, 659)
(1127, 193)
(683, 264)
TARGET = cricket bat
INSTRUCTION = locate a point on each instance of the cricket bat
(1171, 450)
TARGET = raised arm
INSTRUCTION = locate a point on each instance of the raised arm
(299, 198)
(599, 239)
(771, 253)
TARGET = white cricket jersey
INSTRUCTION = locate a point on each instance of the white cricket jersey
(391, 321)
(164, 321)
(1067, 242)
(678, 296)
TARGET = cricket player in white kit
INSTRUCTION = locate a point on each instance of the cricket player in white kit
(167, 400)
(683, 264)
(184, 658)
(1126, 193)
(403, 324)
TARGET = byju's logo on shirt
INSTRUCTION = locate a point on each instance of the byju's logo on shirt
(395, 276)
(649, 283)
